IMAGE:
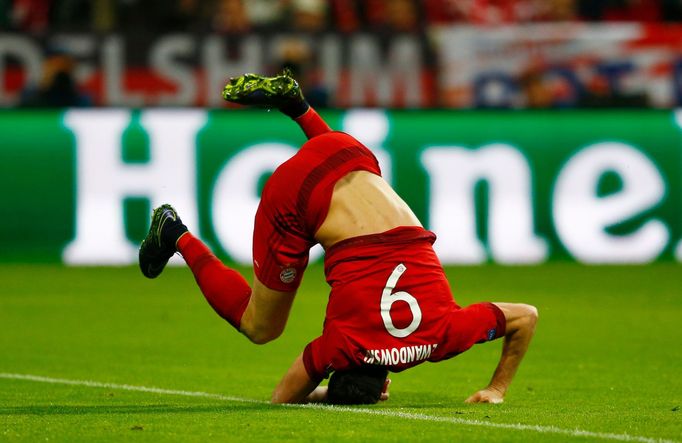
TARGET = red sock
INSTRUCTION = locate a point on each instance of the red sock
(225, 289)
(312, 124)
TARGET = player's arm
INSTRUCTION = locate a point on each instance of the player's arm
(266, 314)
(297, 387)
(521, 320)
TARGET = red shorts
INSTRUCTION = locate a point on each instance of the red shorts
(391, 305)
(295, 202)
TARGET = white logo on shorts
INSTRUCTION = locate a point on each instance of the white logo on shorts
(287, 275)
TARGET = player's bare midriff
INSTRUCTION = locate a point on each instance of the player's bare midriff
(362, 204)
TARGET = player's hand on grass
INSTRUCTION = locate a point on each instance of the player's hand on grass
(487, 395)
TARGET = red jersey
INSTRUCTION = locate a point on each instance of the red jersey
(391, 305)
(295, 202)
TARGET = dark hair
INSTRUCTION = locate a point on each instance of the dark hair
(357, 386)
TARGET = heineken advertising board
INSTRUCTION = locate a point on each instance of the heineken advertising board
(504, 187)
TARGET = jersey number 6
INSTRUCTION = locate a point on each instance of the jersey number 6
(388, 297)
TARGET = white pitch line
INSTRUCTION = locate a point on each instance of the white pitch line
(123, 387)
(380, 412)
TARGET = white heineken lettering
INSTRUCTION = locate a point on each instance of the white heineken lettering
(678, 249)
(454, 172)
(236, 196)
(104, 181)
(371, 127)
(399, 356)
(581, 216)
(616, 226)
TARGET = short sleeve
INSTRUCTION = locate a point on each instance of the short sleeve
(476, 323)
(330, 352)
(313, 360)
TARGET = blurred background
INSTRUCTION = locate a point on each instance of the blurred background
(347, 53)
(520, 131)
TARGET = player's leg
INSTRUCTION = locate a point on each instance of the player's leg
(271, 299)
(311, 123)
(224, 288)
(281, 92)
(266, 314)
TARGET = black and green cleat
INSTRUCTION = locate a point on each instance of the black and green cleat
(271, 92)
(159, 244)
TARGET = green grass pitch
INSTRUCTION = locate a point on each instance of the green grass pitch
(605, 364)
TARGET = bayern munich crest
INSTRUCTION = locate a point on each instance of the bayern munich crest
(287, 275)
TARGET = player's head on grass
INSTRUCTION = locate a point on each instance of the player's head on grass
(358, 386)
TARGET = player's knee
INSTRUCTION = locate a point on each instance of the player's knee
(259, 332)
(261, 336)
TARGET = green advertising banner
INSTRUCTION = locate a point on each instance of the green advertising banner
(504, 187)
